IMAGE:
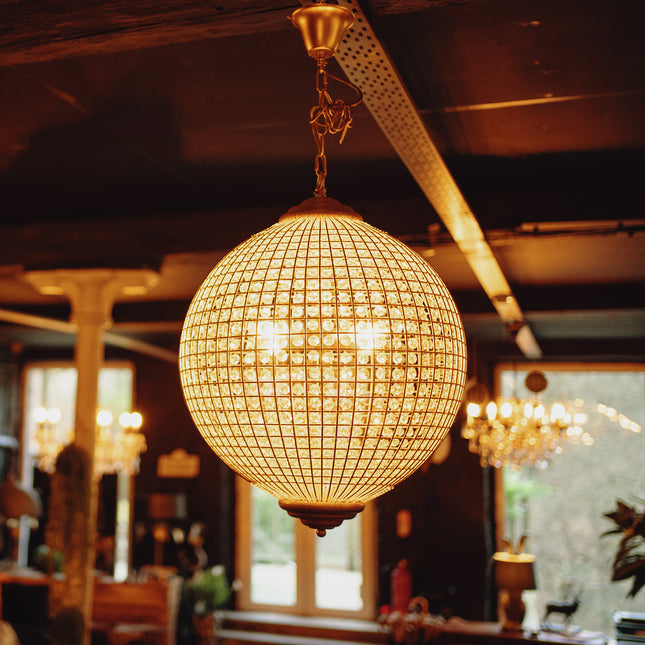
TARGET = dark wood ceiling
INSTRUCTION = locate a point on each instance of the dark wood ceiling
(161, 134)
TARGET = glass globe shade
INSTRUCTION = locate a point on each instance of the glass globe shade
(323, 360)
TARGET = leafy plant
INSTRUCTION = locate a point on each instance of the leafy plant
(630, 556)
(208, 590)
(519, 488)
(48, 560)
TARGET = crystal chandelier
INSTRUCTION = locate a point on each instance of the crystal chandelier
(116, 449)
(322, 359)
(520, 432)
(49, 439)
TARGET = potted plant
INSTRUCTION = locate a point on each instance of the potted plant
(629, 561)
(207, 592)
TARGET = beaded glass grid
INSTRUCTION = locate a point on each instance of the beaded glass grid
(323, 360)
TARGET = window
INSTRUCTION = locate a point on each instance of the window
(53, 385)
(285, 567)
(561, 507)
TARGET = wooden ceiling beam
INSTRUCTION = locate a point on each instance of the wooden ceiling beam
(54, 30)
(390, 7)
(62, 30)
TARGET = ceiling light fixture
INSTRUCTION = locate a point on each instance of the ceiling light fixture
(322, 359)
(117, 450)
(520, 432)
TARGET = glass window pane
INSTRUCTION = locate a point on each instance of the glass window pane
(273, 557)
(562, 506)
(53, 387)
(115, 390)
(339, 576)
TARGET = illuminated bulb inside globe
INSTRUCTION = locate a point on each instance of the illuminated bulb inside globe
(324, 361)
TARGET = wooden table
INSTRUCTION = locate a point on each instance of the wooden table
(121, 610)
(467, 632)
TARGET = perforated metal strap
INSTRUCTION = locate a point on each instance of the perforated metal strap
(367, 65)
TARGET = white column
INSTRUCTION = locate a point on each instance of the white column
(91, 293)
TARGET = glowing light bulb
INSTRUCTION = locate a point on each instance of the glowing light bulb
(473, 410)
(104, 418)
(40, 414)
(136, 420)
(538, 411)
(53, 415)
(557, 412)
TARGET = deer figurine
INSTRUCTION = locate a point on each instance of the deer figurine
(565, 608)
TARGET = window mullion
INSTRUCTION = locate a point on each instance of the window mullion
(306, 569)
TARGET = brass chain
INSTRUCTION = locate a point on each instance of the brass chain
(328, 117)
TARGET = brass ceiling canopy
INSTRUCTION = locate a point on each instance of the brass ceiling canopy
(322, 27)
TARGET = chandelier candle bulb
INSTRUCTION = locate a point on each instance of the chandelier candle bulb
(104, 418)
(472, 410)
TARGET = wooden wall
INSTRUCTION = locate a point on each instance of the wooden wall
(210, 496)
(447, 548)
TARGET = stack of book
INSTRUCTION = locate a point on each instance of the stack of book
(630, 627)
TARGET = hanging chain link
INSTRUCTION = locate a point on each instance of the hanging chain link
(328, 117)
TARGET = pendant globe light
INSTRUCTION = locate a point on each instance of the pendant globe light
(322, 359)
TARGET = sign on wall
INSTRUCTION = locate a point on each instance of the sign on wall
(178, 464)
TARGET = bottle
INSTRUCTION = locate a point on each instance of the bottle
(400, 587)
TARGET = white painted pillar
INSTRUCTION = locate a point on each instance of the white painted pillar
(91, 293)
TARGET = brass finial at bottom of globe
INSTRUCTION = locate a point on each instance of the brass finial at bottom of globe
(321, 516)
